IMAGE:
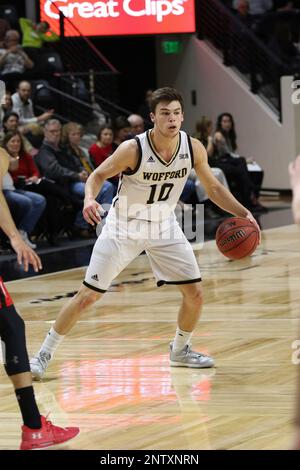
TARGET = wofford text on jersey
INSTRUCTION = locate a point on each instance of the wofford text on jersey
(164, 175)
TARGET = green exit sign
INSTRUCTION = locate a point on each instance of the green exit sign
(171, 47)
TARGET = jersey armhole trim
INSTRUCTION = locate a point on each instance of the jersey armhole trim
(191, 149)
(132, 172)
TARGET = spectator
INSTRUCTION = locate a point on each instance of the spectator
(234, 166)
(103, 147)
(10, 122)
(137, 124)
(30, 205)
(35, 35)
(26, 176)
(22, 104)
(54, 163)
(6, 104)
(122, 131)
(71, 138)
(204, 131)
(13, 60)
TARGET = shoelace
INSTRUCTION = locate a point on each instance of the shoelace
(50, 425)
(44, 358)
(189, 350)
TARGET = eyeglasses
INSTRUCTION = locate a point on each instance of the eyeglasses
(53, 131)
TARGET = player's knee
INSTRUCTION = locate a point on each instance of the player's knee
(13, 342)
(87, 297)
(195, 296)
(14, 324)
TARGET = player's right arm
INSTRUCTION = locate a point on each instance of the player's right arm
(124, 158)
(25, 254)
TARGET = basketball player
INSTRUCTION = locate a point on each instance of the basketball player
(294, 170)
(37, 431)
(154, 167)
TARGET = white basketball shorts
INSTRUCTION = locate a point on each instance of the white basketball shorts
(170, 254)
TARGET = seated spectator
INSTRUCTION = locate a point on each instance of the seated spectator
(26, 176)
(122, 131)
(103, 147)
(137, 124)
(71, 138)
(66, 170)
(204, 131)
(6, 104)
(13, 60)
(10, 122)
(234, 166)
(35, 35)
(27, 207)
(23, 106)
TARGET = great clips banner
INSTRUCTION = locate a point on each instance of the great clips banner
(121, 17)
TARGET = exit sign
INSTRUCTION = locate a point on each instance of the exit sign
(172, 47)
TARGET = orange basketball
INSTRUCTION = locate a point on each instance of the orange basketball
(237, 238)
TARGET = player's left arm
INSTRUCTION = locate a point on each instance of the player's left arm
(216, 192)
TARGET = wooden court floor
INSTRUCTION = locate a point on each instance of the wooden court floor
(111, 375)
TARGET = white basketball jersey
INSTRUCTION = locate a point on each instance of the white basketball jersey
(151, 191)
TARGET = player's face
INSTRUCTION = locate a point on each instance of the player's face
(168, 118)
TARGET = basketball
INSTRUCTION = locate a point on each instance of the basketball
(237, 238)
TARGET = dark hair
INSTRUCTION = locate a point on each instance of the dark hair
(167, 94)
(101, 129)
(121, 122)
(8, 115)
(9, 135)
(231, 135)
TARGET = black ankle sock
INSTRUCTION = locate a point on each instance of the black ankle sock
(28, 407)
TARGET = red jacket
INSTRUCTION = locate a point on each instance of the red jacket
(26, 168)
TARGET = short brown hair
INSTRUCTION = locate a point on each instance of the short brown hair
(167, 94)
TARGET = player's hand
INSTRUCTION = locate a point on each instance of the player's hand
(25, 254)
(91, 211)
(294, 171)
(252, 219)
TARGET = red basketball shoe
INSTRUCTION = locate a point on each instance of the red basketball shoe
(47, 435)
